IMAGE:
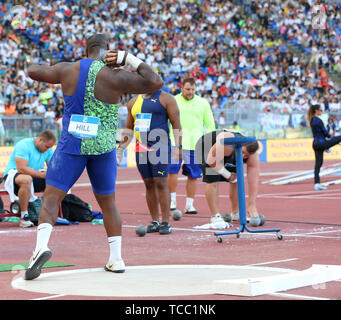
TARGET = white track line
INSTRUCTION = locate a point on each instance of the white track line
(288, 295)
(87, 184)
(315, 234)
(303, 197)
(271, 262)
(50, 297)
(305, 235)
(307, 192)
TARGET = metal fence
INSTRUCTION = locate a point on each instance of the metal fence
(14, 128)
(251, 119)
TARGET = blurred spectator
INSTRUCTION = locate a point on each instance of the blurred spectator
(331, 127)
(10, 108)
(304, 123)
(337, 125)
(49, 117)
(235, 126)
(221, 120)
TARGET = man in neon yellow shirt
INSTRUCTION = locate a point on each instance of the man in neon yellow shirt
(195, 112)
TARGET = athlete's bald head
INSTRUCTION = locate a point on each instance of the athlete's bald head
(96, 42)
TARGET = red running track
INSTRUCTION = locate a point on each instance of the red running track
(309, 221)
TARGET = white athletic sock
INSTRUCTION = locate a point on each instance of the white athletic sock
(189, 202)
(115, 243)
(173, 196)
(24, 213)
(43, 235)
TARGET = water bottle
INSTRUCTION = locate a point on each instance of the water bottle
(97, 221)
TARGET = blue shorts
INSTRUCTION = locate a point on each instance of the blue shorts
(149, 166)
(190, 167)
(64, 169)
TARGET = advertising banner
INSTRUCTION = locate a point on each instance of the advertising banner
(280, 150)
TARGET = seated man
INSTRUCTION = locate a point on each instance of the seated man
(25, 174)
(215, 158)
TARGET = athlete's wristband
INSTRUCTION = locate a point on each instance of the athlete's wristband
(120, 56)
(225, 173)
(179, 146)
(133, 61)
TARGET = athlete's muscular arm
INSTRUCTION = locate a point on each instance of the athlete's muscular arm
(22, 167)
(47, 73)
(144, 81)
(168, 101)
(173, 113)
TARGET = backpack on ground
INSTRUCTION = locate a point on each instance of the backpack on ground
(34, 210)
(75, 209)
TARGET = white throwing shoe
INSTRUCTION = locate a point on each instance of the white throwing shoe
(317, 186)
(173, 205)
(37, 260)
(218, 222)
(190, 210)
(25, 222)
(117, 266)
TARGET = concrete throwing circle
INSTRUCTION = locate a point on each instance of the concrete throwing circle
(142, 281)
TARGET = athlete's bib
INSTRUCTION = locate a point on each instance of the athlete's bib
(142, 122)
(83, 127)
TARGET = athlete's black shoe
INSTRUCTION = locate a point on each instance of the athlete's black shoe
(37, 261)
(153, 227)
(165, 228)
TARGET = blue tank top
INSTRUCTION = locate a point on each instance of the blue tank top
(155, 116)
(84, 103)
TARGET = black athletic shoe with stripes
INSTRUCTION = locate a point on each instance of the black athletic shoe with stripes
(36, 263)
(153, 227)
(165, 228)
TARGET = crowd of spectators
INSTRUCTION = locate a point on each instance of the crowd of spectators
(232, 49)
(313, 26)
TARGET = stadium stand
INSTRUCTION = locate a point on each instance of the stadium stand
(241, 50)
